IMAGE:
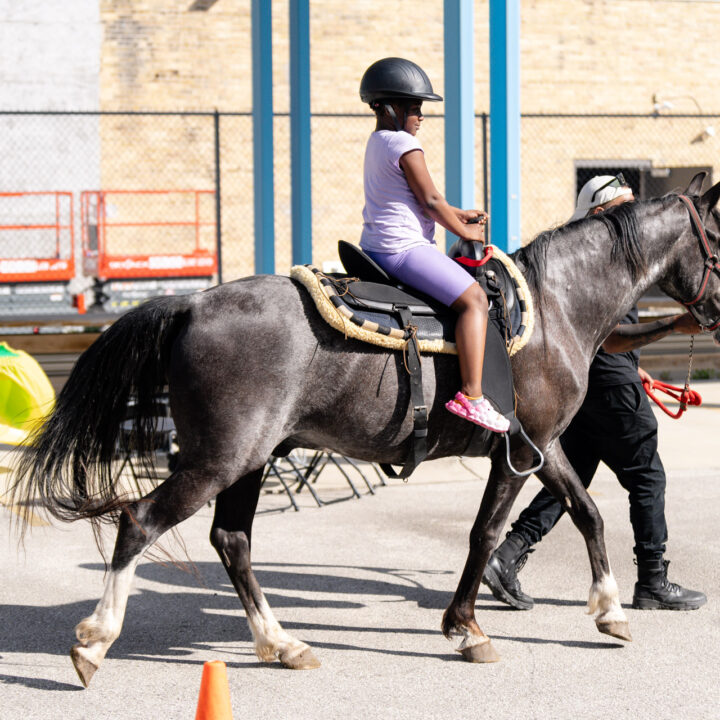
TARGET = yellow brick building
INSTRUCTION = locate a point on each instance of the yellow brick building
(577, 57)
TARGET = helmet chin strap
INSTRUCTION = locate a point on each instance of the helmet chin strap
(391, 112)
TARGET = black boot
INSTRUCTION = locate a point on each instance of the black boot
(500, 574)
(653, 591)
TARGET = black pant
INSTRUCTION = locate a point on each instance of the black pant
(615, 425)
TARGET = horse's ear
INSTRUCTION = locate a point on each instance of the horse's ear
(710, 199)
(696, 184)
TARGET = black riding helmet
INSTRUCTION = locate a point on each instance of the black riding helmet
(395, 79)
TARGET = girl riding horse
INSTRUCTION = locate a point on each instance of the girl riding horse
(402, 206)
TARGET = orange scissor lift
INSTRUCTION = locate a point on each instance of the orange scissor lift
(142, 243)
(37, 251)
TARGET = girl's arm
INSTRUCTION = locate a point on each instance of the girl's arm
(452, 219)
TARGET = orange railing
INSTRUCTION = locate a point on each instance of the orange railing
(131, 246)
(54, 229)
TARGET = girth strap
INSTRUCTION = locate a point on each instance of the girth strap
(418, 446)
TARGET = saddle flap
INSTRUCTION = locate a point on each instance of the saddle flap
(497, 282)
(508, 308)
(376, 296)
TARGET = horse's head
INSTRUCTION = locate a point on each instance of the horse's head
(695, 277)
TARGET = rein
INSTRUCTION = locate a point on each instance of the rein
(711, 265)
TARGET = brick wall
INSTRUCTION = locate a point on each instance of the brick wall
(578, 55)
(582, 56)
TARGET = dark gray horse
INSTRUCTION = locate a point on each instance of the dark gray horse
(253, 370)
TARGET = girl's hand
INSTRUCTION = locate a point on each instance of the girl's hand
(472, 216)
(474, 232)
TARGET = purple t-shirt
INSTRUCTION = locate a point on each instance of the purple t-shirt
(392, 217)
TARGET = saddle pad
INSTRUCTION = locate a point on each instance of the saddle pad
(378, 331)
(364, 310)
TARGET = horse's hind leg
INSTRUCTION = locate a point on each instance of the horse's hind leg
(231, 537)
(141, 524)
(459, 618)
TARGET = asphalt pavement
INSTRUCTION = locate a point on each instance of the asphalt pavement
(365, 582)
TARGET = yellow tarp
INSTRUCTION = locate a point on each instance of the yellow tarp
(26, 395)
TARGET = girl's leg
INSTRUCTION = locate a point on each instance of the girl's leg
(470, 330)
(425, 268)
(434, 273)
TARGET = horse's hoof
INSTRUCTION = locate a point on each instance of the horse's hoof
(83, 667)
(303, 660)
(483, 653)
(620, 630)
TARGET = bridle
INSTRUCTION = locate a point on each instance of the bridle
(712, 265)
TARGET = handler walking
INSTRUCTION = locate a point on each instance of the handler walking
(614, 425)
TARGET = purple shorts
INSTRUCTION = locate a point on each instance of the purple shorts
(427, 269)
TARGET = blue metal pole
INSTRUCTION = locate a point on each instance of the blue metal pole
(263, 136)
(300, 147)
(505, 123)
(459, 105)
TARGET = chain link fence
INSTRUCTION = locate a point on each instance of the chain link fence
(102, 210)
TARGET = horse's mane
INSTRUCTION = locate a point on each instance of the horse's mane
(622, 226)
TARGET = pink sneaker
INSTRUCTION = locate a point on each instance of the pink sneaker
(480, 412)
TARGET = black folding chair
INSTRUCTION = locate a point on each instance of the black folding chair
(298, 471)
(164, 439)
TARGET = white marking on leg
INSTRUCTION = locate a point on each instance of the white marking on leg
(604, 599)
(98, 631)
(271, 641)
(471, 640)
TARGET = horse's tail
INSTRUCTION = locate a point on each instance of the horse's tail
(68, 465)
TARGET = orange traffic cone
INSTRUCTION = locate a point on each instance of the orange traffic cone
(214, 700)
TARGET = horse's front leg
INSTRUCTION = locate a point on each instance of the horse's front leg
(459, 618)
(561, 480)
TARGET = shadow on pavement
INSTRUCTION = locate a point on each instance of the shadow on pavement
(172, 625)
(38, 683)
(610, 645)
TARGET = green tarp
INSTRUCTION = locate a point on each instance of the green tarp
(26, 395)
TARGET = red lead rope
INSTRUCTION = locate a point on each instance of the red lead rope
(685, 396)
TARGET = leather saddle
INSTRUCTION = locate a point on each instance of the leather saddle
(375, 295)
